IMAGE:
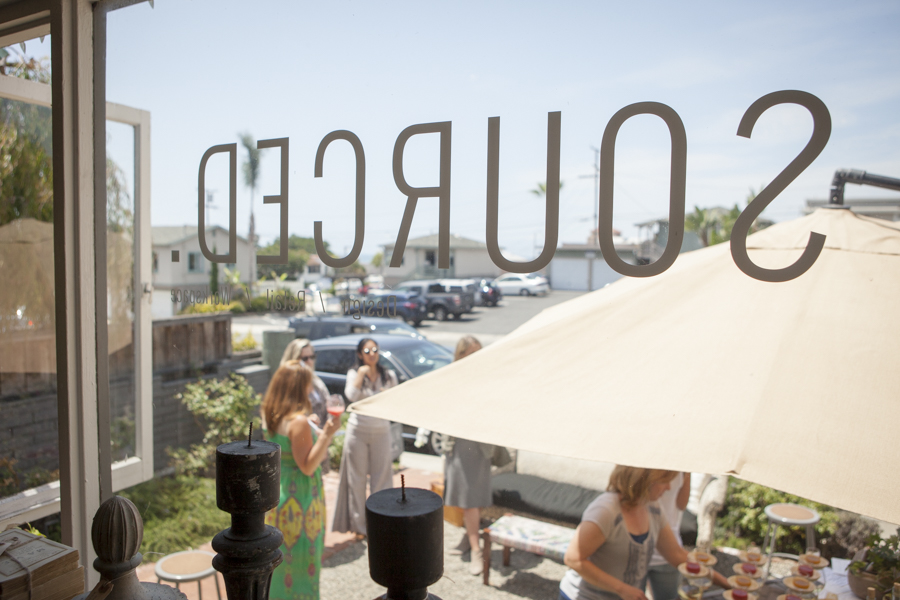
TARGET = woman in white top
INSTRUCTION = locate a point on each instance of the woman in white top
(367, 447)
(610, 553)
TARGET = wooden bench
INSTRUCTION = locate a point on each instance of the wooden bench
(521, 533)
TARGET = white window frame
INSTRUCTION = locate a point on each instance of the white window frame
(44, 500)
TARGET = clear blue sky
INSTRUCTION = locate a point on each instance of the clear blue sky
(208, 70)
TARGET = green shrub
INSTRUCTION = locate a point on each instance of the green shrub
(237, 308)
(202, 308)
(178, 512)
(336, 449)
(882, 560)
(742, 521)
(223, 409)
(242, 344)
(259, 304)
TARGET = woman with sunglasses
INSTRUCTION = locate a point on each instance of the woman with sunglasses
(300, 514)
(302, 350)
(367, 447)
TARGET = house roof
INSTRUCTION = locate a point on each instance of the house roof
(173, 234)
(430, 242)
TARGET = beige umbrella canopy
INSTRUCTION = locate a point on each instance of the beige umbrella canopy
(793, 385)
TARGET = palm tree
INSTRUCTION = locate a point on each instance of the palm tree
(701, 222)
(251, 178)
(541, 190)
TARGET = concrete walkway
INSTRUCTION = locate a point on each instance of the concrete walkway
(345, 573)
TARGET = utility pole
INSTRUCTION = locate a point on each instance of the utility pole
(596, 200)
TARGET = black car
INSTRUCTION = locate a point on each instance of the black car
(490, 292)
(315, 328)
(408, 306)
(409, 357)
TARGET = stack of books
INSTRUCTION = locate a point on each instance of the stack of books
(55, 574)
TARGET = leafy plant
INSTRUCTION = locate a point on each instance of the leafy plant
(259, 304)
(178, 513)
(743, 522)
(248, 342)
(336, 450)
(223, 409)
(882, 560)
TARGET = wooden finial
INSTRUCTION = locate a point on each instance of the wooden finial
(403, 487)
(250, 435)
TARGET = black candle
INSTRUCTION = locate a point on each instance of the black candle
(248, 477)
(406, 541)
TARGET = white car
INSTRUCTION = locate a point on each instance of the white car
(529, 284)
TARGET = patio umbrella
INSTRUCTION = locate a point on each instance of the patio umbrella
(792, 385)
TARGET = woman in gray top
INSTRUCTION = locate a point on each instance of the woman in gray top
(467, 477)
(609, 556)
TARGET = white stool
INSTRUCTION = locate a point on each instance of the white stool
(190, 565)
(788, 514)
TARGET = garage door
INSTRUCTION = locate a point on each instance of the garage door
(569, 274)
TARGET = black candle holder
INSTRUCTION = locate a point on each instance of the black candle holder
(406, 541)
(248, 479)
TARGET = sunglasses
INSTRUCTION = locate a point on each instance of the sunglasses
(308, 358)
(370, 351)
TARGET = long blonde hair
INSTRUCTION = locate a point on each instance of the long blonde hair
(294, 349)
(465, 346)
(633, 483)
(287, 394)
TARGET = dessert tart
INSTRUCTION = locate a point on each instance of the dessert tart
(748, 569)
(813, 560)
(693, 570)
(739, 594)
(807, 571)
(744, 582)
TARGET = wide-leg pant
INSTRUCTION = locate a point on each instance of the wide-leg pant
(367, 451)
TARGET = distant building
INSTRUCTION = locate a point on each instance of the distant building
(581, 267)
(879, 208)
(653, 235)
(178, 263)
(468, 258)
(315, 271)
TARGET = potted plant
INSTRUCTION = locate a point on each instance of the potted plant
(877, 565)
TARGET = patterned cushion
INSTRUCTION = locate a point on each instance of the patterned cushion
(537, 537)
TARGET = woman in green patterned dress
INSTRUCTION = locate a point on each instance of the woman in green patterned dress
(301, 510)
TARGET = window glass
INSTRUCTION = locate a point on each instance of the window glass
(29, 452)
(120, 299)
(422, 358)
(195, 262)
(335, 360)
(334, 329)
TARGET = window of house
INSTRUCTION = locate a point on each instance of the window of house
(195, 262)
(312, 269)
(155, 262)
(430, 258)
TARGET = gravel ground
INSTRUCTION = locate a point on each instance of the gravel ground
(346, 575)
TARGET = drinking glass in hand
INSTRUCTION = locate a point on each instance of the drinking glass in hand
(335, 405)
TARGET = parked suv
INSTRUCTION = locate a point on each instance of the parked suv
(466, 289)
(440, 304)
(410, 307)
